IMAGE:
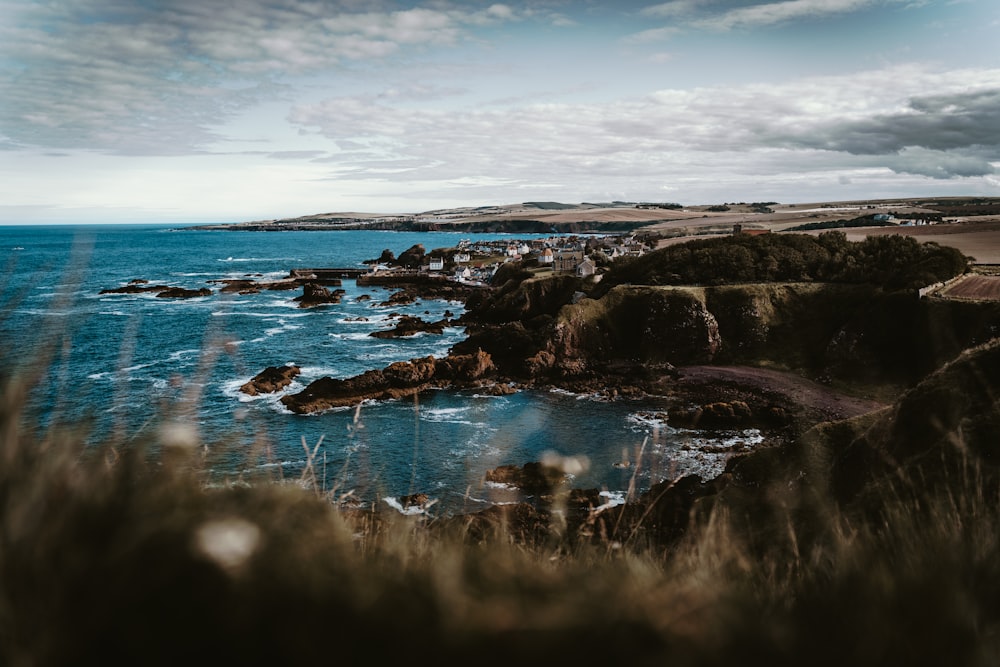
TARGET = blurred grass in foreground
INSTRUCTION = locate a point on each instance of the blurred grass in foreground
(125, 556)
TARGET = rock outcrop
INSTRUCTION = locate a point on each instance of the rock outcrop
(270, 380)
(398, 380)
(182, 293)
(533, 477)
(411, 326)
(139, 286)
(316, 295)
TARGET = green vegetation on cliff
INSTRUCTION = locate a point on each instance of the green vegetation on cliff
(891, 261)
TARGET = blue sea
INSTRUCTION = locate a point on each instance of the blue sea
(126, 364)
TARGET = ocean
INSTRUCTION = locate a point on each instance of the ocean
(123, 362)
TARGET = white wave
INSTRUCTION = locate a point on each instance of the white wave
(493, 397)
(500, 485)
(446, 411)
(284, 328)
(646, 420)
(180, 354)
(281, 464)
(231, 390)
(447, 416)
(318, 371)
(614, 499)
(412, 510)
(353, 336)
(43, 312)
(138, 367)
(265, 315)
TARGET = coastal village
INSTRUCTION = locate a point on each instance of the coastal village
(475, 262)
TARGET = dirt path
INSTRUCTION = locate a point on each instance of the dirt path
(811, 396)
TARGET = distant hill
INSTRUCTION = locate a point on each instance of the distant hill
(666, 219)
(550, 205)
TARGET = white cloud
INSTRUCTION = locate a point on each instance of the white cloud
(653, 35)
(128, 78)
(873, 119)
(781, 12)
(674, 8)
(703, 14)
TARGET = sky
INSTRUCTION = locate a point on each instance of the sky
(232, 110)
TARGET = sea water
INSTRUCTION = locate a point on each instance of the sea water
(122, 363)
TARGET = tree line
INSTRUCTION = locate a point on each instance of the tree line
(889, 261)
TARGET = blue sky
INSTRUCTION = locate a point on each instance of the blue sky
(224, 111)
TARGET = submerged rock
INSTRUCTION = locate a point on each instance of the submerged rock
(135, 287)
(182, 293)
(139, 286)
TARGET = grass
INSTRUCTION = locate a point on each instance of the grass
(127, 556)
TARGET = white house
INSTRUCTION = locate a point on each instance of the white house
(585, 268)
(437, 264)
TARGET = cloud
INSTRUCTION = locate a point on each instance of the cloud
(160, 78)
(781, 12)
(935, 122)
(941, 136)
(674, 8)
(296, 155)
(878, 119)
(703, 14)
(939, 164)
(653, 35)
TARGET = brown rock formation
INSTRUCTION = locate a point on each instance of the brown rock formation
(397, 380)
(317, 295)
(238, 286)
(532, 477)
(410, 326)
(270, 380)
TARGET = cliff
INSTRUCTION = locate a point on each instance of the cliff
(844, 332)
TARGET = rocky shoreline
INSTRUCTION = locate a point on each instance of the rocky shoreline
(791, 359)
